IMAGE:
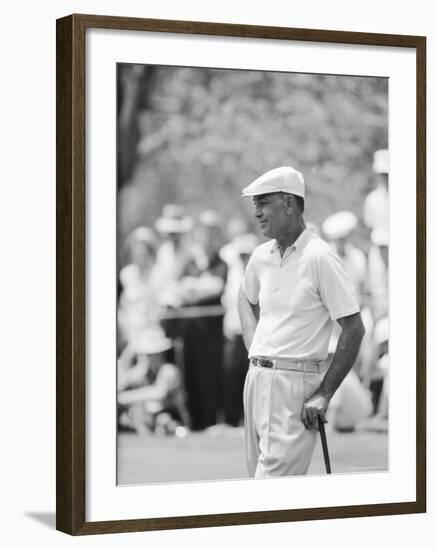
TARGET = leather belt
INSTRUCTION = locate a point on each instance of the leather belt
(286, 364)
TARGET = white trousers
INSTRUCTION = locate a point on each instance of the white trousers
(276, 441)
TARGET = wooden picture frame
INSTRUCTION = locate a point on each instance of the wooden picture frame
(71, 274)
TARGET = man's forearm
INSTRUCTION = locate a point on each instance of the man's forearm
(346, 352)
(249, 315)
(314, 408)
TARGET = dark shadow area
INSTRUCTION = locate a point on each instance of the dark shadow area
(46, 518)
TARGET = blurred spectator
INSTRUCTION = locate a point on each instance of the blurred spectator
(202, 285)
(205, 274)
(376, 206)
(375, 376)
(235, 354)
(175, 252)
(375, 369)
(237, 226)
(376, 217)
(351, 404)
(150, 395)
(338, 230)
(377, 275)
(138, 309)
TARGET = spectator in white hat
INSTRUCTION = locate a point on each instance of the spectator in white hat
(293, 289)
(202, 288)
(174, 253)
(338, 229)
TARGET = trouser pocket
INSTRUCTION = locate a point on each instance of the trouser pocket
(311, 383)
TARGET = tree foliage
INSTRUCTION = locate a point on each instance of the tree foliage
(197, 136)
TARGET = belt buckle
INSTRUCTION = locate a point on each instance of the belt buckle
(266, 363)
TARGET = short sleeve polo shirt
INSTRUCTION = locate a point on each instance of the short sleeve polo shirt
(299, 295)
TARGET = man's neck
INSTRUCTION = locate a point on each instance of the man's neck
(290, 237)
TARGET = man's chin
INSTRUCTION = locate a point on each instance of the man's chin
(264, 229)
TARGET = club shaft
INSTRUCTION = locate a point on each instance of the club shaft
(324, 446)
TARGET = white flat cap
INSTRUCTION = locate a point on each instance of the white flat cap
(380, 161)
(284, 178)
(339, 225)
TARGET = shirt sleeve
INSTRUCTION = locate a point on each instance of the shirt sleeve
(335, 287)
(250, 283)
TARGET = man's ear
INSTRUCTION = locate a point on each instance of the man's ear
(289, 201)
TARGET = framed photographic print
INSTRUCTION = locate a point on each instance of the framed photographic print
(240, 274)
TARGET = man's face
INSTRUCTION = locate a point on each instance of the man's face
(271, 213)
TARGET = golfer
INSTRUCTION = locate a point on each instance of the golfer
(294, 288)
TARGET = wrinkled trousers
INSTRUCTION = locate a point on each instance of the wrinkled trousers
(276, 441)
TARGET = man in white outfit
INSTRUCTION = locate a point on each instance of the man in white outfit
(293, 290)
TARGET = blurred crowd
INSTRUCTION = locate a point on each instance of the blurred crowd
(181, 357)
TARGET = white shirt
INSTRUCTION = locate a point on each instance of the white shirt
(299, 295)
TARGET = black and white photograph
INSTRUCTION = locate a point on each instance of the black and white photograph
(218, 272)
(252, 274)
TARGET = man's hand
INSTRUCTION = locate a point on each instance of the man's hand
(314, 407)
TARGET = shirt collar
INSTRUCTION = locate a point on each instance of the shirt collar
(298, 244)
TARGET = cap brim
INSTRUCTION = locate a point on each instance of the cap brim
(257, 193)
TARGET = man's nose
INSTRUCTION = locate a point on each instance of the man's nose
(258, 213)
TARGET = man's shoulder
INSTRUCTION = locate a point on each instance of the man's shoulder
(317, 248)
(319, 255)
(263, 249)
